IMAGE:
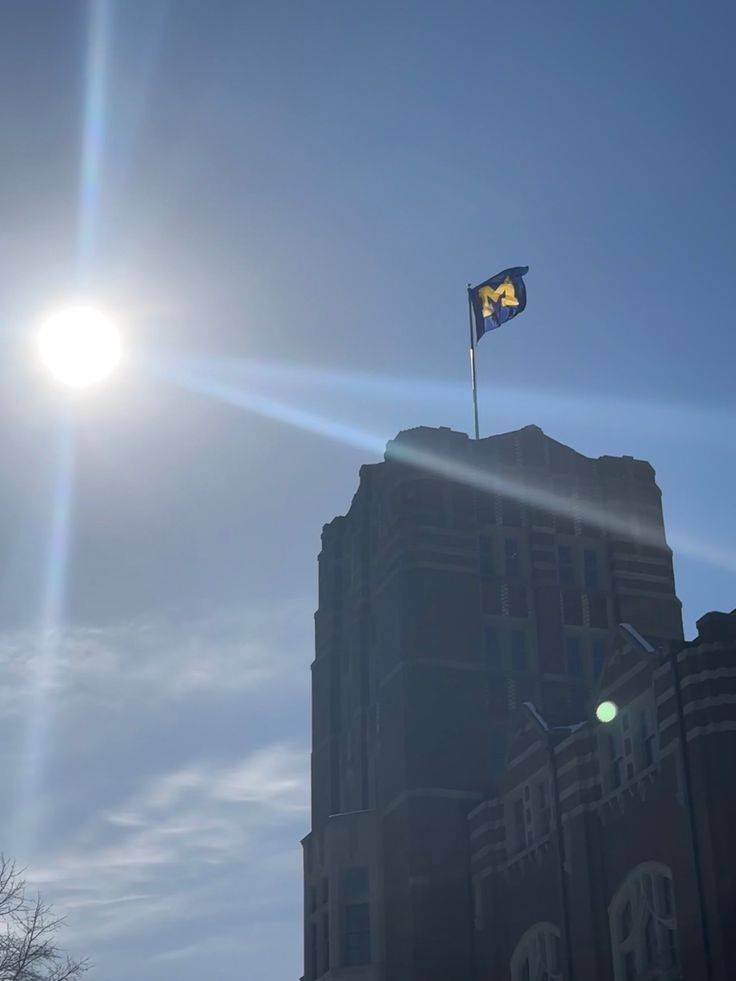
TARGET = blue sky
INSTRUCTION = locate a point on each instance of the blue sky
(282, 203)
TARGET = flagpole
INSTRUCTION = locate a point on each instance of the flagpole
(473, 375)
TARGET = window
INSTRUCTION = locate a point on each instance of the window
(629, 744)
(565, 564)
(355, 882)
(485, 556)
(325, 943)
(600, 652)
(574, 656)
(357, 934)
(537, 955)
(511, 552)
(519, 826)
(643, 925)
(598, 610)
(490, 647)
(518, 650)
(590, 569)
(572, 607)
(645, 738)
(518, 604)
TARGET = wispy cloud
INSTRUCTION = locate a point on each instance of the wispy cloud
(155, 857)
(225, 652)
(177, 774)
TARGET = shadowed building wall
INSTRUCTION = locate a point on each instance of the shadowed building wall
(467, 577)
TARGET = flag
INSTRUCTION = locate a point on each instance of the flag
(499, 299)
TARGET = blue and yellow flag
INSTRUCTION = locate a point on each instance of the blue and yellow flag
(498, 299)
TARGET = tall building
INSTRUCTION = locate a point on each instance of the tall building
(467, 578)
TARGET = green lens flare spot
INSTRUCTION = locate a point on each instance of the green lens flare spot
(606, 712)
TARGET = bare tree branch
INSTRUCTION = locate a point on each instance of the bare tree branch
(28, 928)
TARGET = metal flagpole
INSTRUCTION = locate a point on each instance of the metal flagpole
(473, 375)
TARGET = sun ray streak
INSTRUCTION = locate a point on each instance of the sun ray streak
(43, 665)
(454, 468)
(93, 132)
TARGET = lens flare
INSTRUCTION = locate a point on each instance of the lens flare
(606, 712)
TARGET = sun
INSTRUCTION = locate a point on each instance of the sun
(80, 346)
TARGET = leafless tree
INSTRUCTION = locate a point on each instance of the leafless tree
(28, 927)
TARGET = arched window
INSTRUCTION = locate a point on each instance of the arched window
(537, 955)
(644, 927)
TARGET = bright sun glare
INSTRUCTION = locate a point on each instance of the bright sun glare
(79, 346)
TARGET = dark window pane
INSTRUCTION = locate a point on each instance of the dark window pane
(598, 607)
(566, 565)
(519, 825)
(600, 649)
(518, 605)
(518, 650)
(511, 550)
(572, 607)
(357, 934)
(573, 652)
(590, 569)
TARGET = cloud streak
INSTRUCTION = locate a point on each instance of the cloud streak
(177, 786)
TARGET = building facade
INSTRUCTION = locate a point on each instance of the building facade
(608, 852)
(467, 578)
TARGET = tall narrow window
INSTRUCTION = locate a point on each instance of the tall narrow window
(537, 955)
(518, 603)
(565, 565)
(519, 826)
(574, 656)
(513, 564)
(590, 569)
(518, 651)
(643, 925)
(600, 650)
(357, 934)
